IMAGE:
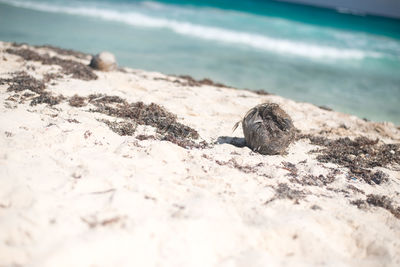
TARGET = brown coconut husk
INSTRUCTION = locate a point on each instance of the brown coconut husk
(267, 129)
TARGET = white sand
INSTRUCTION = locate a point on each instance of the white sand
(78, 194)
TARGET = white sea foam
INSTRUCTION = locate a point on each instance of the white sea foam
(258, 41)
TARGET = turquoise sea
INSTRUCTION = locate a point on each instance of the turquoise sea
(346, 62)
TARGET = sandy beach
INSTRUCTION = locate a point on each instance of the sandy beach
(137, 168)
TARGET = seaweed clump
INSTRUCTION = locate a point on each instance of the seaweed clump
(77, 101)
(21, 81)
(309, 179)
(122, 128)
(190, 81)
(153, 115)
(65, 52)
(283, 191)
(47, 98)
(69, 67)
(378, 201)
(358, 155)
(232, 163)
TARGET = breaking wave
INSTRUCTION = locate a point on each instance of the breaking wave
(258, 41)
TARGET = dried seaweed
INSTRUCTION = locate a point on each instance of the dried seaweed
(359, 156)
(77, 101)
(378, 201)
(312, 180)
(293, 171)
(69, 67)
(153, 115)
(142, 137)
(64, 52)
(184, 142)
(232, 163)
(47, 98)
(22, 81)
(283, 191)
(48, 77)
(260, 92)
(122, 128)
(190, 81)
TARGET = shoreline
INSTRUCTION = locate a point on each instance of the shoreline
(132, 167)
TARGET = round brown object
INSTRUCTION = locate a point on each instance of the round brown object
(104, 61)
(268, 129)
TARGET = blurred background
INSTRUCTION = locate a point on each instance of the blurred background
(340, 54)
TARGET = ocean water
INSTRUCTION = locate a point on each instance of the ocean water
(345, 62)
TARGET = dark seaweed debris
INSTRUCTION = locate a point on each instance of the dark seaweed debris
(359, 156)
(309, 179)
(378, 201)
(190, 81)
(64, 52)
(47, 98)
(314, 180)
(77, 101)
(232, 163)
(122, 128)
(283, 191)
(69, 67)
(58, 50)
(184, 142)
(21, 81)
(152, 115)
(260, 92)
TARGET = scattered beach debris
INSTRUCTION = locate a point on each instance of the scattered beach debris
(259, 91)
(104, 61)
(58, 50)
(283, 191)
(122, 128)
(131, 113)
(193, 82)
(77, 101)
(47, 98)
(168, 128)
(358, 155)
(378, 201)
(21, 81)
(267, 129)
(186, 80)
(64, 52)
(152, 114)
(309, 179)
(232, 163)
(69, 67)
